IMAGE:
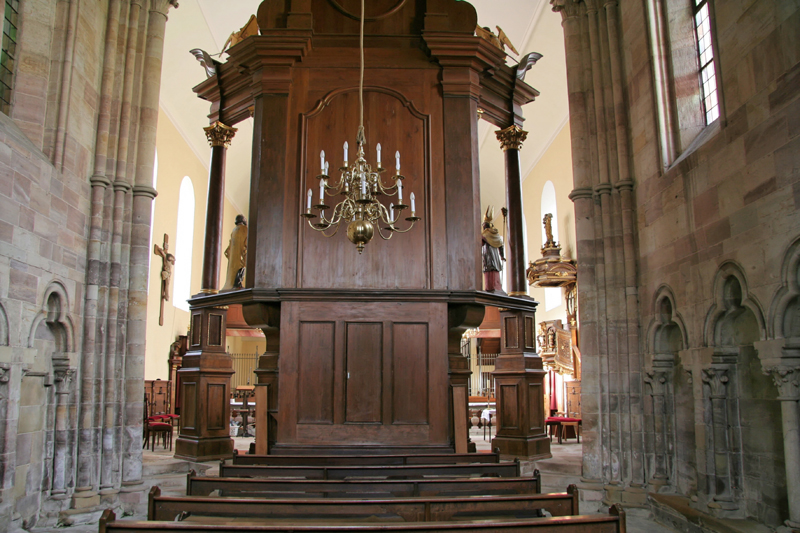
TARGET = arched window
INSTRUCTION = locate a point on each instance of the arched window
(183, 246)
(552, 296)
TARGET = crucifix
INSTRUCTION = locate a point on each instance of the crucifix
(167, 260)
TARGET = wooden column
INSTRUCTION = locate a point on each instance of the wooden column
(206, 374)
(519, 387)
(511, 140)
(219, 137)
(519, 374)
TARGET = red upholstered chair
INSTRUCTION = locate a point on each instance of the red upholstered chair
(153, 426)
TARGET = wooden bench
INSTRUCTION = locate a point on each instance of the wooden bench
(360, 488)
(614, 522)
(503, 469)
(363, 460)
(406, 509)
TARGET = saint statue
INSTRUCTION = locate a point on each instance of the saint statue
(492, 251)
(548, 229)
(236, 252)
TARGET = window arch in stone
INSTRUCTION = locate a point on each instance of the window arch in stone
(785, 309)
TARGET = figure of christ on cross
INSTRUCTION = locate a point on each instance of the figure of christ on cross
(167, 260)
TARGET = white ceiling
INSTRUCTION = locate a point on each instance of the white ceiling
(529, 24)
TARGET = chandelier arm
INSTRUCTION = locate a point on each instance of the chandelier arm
(397, 230)
(383, 236)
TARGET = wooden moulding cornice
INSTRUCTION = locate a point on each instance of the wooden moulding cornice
(276, 296)
(503, 95)
(463, 59)
(258, 65)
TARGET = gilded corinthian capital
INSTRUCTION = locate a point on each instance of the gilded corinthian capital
(567, 8)
(219, 134)
(511, 138)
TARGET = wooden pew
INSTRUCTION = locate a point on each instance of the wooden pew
(167, 508)
(360, 488)
(503, 469)
(614, 522)
(363, 460)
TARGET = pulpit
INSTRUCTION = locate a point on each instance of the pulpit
(363, 348)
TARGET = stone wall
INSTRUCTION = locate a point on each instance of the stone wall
(79, 120)
(707, 259)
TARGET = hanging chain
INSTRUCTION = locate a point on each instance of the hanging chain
(360, 137)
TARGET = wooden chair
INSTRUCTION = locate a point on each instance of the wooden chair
(575, 425)
(153, 426)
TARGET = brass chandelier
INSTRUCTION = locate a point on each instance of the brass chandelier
(361, 186)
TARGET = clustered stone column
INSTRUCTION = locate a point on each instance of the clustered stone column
(612, 407)
(206, 373)
(112, 361)
(722, 471)
(659, 382)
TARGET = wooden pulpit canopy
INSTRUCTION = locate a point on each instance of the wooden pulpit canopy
(357, 344)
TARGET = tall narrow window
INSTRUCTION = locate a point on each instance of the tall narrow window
(552, 295)
(183, 246)
(705, 51)
(8, 53)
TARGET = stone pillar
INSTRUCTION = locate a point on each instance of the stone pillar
(143, 196)
(720, 470)
(659, 383)
(787, 379)
(219, 137)
(206, 373)
(511, 139)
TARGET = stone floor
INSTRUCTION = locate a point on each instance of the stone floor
(163, 469)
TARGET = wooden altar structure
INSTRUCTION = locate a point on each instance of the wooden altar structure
(363, 351)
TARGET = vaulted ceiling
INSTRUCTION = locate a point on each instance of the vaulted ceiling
(529, 24)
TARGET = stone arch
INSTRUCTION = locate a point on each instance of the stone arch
(727, 322)
(740, 402)
(55, 313)
(4, 335)
(666, 333)
(669, 401)
(784, 315)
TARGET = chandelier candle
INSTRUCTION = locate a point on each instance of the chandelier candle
(361, 187)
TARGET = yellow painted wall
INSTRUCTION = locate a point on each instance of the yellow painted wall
(176, 160)
(555, 165)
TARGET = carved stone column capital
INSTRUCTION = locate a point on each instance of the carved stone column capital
(567, 8)
(787, 379)
(162, 6)
(717, 379)
(219, 134)
(5, 373)
(63, 377)
(657, 380)
(511, 138)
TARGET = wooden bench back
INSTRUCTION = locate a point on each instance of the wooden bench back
(407, 509)
(358, 488)
(503, 469)
(614, 522)
(363, 460)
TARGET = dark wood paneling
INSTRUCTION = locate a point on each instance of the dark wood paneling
(536, 407)
(215, 329)
(392, 120)
(364, 373)
(509, 407)
(188, 405)
(511, 331)
(316, 372)
(410, 374)
(530, 333)
(216, 398)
